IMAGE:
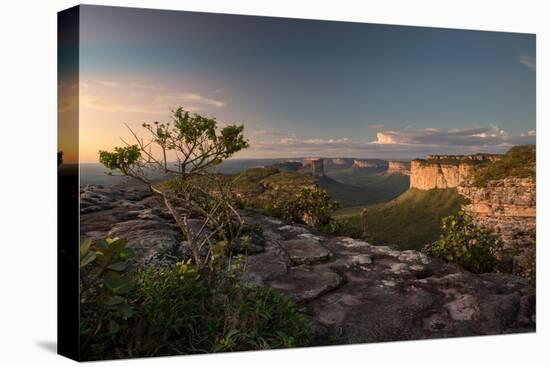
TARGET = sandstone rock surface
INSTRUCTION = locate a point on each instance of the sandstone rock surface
(350, 290)
(426, 175)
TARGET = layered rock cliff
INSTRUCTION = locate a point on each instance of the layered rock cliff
(426, 175)
(317, 166)
(507, 207)
(446, 171)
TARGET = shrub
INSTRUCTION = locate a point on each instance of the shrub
(104, 291)
(463, 243)
(527, 264)
(179, 310)
(311, 206)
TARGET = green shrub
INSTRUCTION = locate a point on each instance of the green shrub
(177, 310)
(527, 264)
(105, 307)
(465, 244)
(311, 206)
(519, 161)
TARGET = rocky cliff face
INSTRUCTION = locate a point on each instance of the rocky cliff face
(350, 290)
(506, 207)
(399, 167)
(426, 175)
(317, 166)
(446, 171)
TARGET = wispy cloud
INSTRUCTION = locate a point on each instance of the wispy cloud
(271, 133)
(140, 98)
(529, 61)
(107, 83)
(477, 136)
(192, 97)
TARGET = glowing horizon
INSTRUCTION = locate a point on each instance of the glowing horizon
(306, 88)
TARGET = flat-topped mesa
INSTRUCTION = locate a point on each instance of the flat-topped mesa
(316, 164)
(403, 167)
(445, 171)
(365, 163)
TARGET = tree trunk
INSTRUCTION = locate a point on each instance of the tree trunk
(187, 232)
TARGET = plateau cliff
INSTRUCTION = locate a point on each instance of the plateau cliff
(507, 207)
(426, 175)
(317, 166)
(446, 171)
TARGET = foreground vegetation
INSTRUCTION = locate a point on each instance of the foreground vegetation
(479, 251)
(200, 305)
(176, 310)
(408, 222)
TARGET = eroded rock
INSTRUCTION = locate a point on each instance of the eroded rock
(350, 290)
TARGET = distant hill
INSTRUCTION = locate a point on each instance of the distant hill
(407, 222)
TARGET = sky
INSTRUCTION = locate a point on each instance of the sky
(306, 87)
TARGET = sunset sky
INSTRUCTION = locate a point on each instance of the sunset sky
(305, 87)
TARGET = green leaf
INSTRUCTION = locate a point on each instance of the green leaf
(88, 258)
(118, 284)
(85, 243)
(101, 244)
(113, 300)
(126, 253)
(117, 244)
(101, 258)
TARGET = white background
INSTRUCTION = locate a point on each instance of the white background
(28, 182)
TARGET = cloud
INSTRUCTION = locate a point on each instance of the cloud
(140, 98)
(107, 83)
(478, 136)
(390, 144)
(529, 61)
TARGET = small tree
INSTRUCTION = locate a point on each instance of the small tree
(194, 144)
(312, 206)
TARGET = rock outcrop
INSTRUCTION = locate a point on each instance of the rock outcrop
(403, 167)
(507, 207)
(350, 290)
